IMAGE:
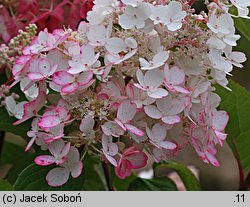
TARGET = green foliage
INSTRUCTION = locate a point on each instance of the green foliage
(243, 26)
(33, 178)
(237, 103)
(188, 178)
(3, 79)
(5, 185)
(93, 170)
(156, 184)
(6, 124)
(15, 155)
(123, 184)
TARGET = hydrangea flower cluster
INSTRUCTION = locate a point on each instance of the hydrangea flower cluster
(135, 80)
(18, 27)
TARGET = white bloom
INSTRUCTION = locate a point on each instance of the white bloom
(219, 62)
(151, 82)
(222, 24)
(132, 3)
(125, 114)
(167, 109)
(97, 38)
(95, 17)
(231, 39)
(158, 61)
(157, 136)
(116, 45)
(84, 59)
(137, 96)
(109, 149)
(154, 44)
(101, 9)
(117, 59)
(105, 3)
(170, 15)
(236, 58)
(191, 66)
(14, 109)
(215, 42)
(29, 88)
(86, 127)
(223, 27)
(72, 166)
(242, 5)
(220, 78)
(111, 128)
(135, 16)
(174, 79)
(198, 86)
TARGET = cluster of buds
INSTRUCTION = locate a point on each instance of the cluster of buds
(4, 91)
(134, 81)
(9, 53)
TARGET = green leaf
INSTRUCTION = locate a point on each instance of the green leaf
(5, 185)
(123, 184)
(3, 78)
(93, 172)
(8, 72)
(188, 178)
(33, 178)
(156, 184)
(6, 124)
(243, 26)
(237, 103)
(17, 157)
(4, 169)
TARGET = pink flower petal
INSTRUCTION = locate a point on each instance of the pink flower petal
(44, 160)
(62, 78)
(36, 76)
(134, 130)
(168, 145)
(212, 159)
(120, 124)
(220, 119)
(49, 121)
(171, 119)
(85, 78)
(137, 160)
(153, 112)
(77, 169)
(122, 170)
(57, 176)
(70, 88)
(31, 142)
(126, 111)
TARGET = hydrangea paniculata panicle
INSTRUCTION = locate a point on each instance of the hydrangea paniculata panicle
(134, 81)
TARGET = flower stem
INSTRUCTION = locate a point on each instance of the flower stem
(106, 169)
(241, 173)
(247, 182)
(84, 152)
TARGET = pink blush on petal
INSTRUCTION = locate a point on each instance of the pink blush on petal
(44, 160)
